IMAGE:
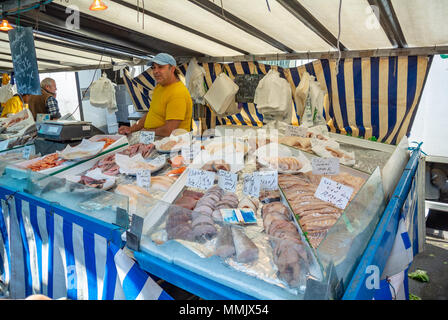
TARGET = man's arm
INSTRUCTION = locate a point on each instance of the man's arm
(135, 127)
(167, 128)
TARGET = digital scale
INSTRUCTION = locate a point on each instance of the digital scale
(55, 135)
(67, 130)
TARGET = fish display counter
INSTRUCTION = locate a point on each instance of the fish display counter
(232, 216)
(98, 204)
(142, 171)
(278, 243)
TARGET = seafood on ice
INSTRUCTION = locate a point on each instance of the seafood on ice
(285, 163)
(296, 142)
(47, 162)
(216, 165)
(245, 249)
(132, 192)
(288, 250)
(315, 216)
(162, 183)
(108, 165)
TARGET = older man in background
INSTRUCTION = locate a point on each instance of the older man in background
(45, 102)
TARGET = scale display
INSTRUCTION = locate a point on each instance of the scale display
(67, 130)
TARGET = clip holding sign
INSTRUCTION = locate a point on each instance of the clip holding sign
(134, 235)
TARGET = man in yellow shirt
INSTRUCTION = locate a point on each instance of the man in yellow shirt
(171, 105)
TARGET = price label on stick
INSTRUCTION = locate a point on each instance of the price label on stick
(200, 179)
(297, 131)
(333, 192)
(251, 184)
(268, 180)
(189, 152)
(328, 166)
(227, 180)
(144, 178)
(147, 137)
(27, 151)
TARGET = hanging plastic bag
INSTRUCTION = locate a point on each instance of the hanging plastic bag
(317, 95)
(221, 93)
(102, 94)
(273, 97)
(194, 81)
(7, 91)
(301, 93)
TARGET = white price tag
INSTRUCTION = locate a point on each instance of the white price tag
(252, 184)
(27, 151)
(158, 161)
(189, 152)
(144, 178)
(227, 180)
(268, 180)
(200, 179)
(297, 131)
(147, 137)
(328, 166)
(333, 192)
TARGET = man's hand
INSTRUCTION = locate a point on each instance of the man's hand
(124, 130)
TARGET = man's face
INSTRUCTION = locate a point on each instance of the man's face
(162, 73)
(52, 88)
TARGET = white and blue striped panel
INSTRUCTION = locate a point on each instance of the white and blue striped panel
(394, 288)
(41, 252)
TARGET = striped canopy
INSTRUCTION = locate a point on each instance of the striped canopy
(366, 97)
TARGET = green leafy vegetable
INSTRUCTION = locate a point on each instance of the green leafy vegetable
(419, 275)
(414, 297)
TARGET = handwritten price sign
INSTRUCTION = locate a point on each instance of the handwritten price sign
(227, 180)
(200, 179)
(144, 178)
(333, 192)
(328, 166)
(147, 137)
(252, 184)
(268, 180)
(299, 131)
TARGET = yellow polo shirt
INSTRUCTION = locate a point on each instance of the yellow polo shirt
(13, 105)
(172, 102)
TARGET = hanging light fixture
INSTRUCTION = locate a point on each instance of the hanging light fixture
(5, 26)
(97, 5)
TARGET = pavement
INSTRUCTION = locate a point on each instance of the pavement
(433, 259)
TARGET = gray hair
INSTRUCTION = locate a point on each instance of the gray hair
(46, 82)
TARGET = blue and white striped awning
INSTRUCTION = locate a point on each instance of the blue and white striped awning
(50, 252)
(368, 97)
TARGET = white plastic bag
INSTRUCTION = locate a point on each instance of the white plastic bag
(273, 97)
(194, 81)
(301, 93)
(309, 98)
(317, 95)
(7, 91)
(102, 94)
(221, 93)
